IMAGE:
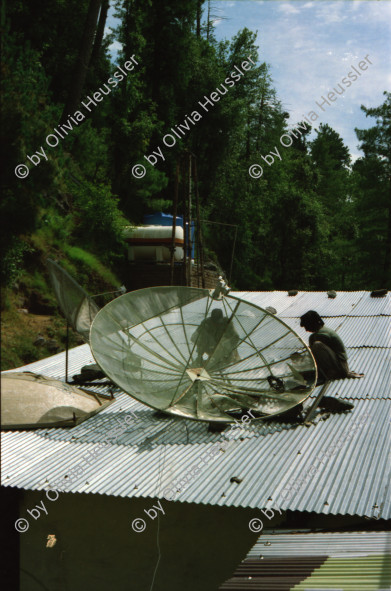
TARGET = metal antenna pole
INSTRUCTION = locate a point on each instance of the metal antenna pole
(199, 236)
(189, 223)
(66, 353)
(185, 227)
(311, 411)
(233, 255)
(174, 224)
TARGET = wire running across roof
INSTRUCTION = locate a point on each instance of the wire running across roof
(179, 350)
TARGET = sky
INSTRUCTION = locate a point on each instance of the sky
(310, 46)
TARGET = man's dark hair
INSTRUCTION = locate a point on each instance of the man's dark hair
(216, 314)
(311, 321)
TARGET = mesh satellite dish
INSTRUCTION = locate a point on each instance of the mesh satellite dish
(32, 401)
(75, 303)
(182, 351)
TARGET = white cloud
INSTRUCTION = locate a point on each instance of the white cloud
(115, 47)
(349, 56)
(311, 50)
(288, 8)
(331, 12)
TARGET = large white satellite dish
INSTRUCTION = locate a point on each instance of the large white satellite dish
(182, 351)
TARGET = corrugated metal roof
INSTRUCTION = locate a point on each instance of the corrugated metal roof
(299, 543)
(359, 331)
(354, 561)
(369, 306)
(266, 457)
(360, 320)
(353, 481)
(342, 305)
(277, 299)
(352, 303)
(313, 573)
(375, 364)
(372, 331)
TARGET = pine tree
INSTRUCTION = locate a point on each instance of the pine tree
(373, 196)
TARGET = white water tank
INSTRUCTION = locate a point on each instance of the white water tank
(152, 243)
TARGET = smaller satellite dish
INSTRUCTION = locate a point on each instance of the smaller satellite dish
(32, 401)
(75, 303)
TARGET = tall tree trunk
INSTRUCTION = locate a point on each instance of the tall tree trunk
(199, 11)
(248, 144)
(260, 119)
(83, 60)
(156, 76)
(100, 31)
(387, 258)
(208, 22)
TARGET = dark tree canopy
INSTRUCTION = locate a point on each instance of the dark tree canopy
(311, 221)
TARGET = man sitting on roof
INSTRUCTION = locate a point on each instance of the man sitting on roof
(327, 348)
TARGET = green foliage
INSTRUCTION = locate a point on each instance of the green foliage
(53, 230)
(97, 220)
(372, 198)
(24, 95)
(89, 263)
(54, 29)
(37, 281)
(22, 352)
(311, 222)
(12, 262)
(332, 160)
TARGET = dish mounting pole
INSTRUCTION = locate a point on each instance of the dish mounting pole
(66, 353)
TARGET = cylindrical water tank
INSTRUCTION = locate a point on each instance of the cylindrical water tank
(166, 219)
(152, 243)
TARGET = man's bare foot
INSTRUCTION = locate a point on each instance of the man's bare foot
(353, 374)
